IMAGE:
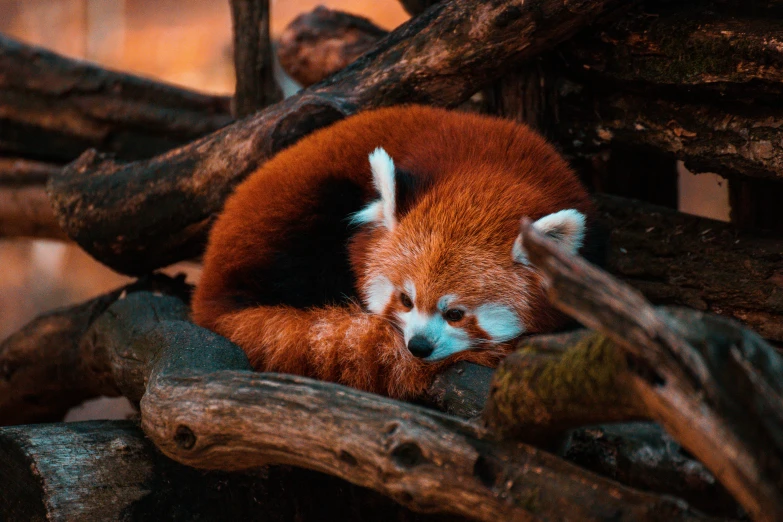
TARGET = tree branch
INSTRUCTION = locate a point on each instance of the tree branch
(53, 108)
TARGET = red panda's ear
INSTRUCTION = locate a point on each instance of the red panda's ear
(566, 227)
(381, 212)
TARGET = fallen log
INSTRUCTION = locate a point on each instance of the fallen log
(108, 470)
(716, 387)
(171, 199)
(255, 82)
(730, 140)
(48, 367)
(53, 108)
(677, 259)
(644, 456)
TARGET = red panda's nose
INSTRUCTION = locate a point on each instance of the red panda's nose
(420, 346)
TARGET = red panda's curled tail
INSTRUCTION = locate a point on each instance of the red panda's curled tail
(339, 344)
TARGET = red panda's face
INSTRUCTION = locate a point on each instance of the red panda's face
(451, 273)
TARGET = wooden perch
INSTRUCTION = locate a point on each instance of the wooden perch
(319, 43)
(255, 82)
(715, 387)
(166, 204)
(677, 259)
(54, 108)
(109, 470)
(142, 347)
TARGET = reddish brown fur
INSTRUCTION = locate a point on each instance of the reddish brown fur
(483, 174)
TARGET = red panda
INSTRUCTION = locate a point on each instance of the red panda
(377, 251)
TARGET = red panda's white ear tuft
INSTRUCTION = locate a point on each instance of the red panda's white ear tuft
(566, 227)
(383, 211)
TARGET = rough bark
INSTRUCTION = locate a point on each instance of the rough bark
(715, 387)
(53, 108)
(643, 455)
(167, 203)
(734, 140)
(255, 82)
(690, 49)
(677, 259)
(142, 348)
(108, 470)
(47, 367)
(319, 43)
(425, 461)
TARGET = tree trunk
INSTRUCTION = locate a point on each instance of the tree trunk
(255, 86)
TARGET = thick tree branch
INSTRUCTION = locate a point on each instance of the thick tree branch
(715, 387)
(255, 82)
(53, 108)
(424, 460)
(109, 470)
(48, 366)
(171, 199)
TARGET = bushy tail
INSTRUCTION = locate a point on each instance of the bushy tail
(338, 344)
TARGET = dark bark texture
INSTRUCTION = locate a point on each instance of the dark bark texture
(255, 82)
(202, 405)
(677, 259)
(109, 470)
(165, 208)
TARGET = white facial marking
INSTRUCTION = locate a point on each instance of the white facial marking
(378, 293)
(410, 290)
(499, 321)
(566, 227)
(445, 338)
(443, 302)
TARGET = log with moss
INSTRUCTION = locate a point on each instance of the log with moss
(167, 203)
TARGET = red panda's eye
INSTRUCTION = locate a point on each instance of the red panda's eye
(406, 301)
(453, 315)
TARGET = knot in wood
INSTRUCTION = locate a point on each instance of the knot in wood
(184, 437)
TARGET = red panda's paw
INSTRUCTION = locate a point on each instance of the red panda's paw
(410, 377)
(352, 352)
